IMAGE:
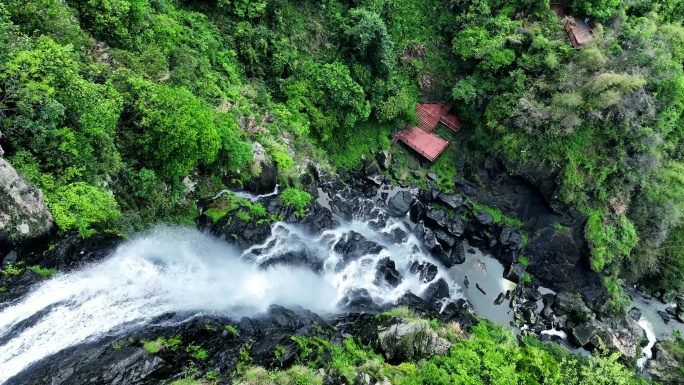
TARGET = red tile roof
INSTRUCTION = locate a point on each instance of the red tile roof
(426, 144)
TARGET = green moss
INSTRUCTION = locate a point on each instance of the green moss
(152, 347)
(497, 215)
(3, 289)
(523, 259)
(12, 269)
(559, 227)
(233, 330)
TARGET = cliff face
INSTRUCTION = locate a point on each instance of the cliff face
(24, 217)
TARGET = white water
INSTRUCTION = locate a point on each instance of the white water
(182, 270)
(171, 269)
(647, 352)
(246, 195)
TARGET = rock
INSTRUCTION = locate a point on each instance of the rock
(430, 242)
(303, 258)
(370, 167)
(354, 245)
(547, 313)
(400, 203)
(417, 212)
(664, 367)
(671, 310)
(582, 334)
(548, 299)
(679, 301)
(457, 254)
(484, 219)
(516, 273)
(25, 220)
(499, 299)
(477, 285)
(456, 226)
(358, 300)
(530, 316)
(466, 282)
(453, 201)
(411, 340)
(432, 176)
(668, 296)
(375, 179)
(445, 239)
(398, 235)
(426, 271)
(572, 305)
(387, 273)
(436, 292)
(437, 218)
(635, 313)
(264, 181)
(384, 159)
(532, 294)
(665, 316)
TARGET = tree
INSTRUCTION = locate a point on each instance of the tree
(80, 206)
(370, 41)
(174, 131)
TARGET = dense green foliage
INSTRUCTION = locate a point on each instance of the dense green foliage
(125, 111)
(490, 355)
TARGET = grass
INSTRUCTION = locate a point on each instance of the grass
(47, 273)
(233, 330)
(559, 227)
(3, 289)
(171, 343)
(12, 269)
(497, 215)
(523, 259)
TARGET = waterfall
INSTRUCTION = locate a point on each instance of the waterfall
(171, 269)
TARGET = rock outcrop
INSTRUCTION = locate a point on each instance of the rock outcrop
(24, 216)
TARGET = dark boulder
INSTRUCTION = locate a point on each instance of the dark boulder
(484, 219)
(547, 313)
(530, 316)
(400, 203)
(267, 177)
(386, 273)
(354, 245)
(358, 300)
(431, 176)
(582, 334)
(516, 273)
(302, 258)
(417, 212)
(548, 299)
(426, 271)
(452, 201)
(665, 316)
(384, 159)
(431, 243)
(437, 218)
(571, 305)
(532, 294)
(445, 239)
(436, 292)
(499, 299)
(457, 254)
(72, 251)
(456, 226)
(397, 235)
(236, 231)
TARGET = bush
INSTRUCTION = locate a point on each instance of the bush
(80, 206)
(296, 199)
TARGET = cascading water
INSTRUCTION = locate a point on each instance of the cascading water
(184, 271)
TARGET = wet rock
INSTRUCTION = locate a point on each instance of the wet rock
(547, 313)
(671, 310)
(238, 232)
(358, 300)
(665, 316)
(426, 271)
(398, 235)
(453, 201)
(623, 337)
(582, 334)
(25, 220)
(466, 282)
(437, 218)
(529, 305)
(572, 305)
(457, 254)
(508, 245)
(530, 316)
(436, 292)
(417, 211)
(532, 294)
(411, 340)
(354, 245)
(477, 285)
(456, 226)
(375, 179)
(484, 219)
(499, 299)
(387, 273)
(265, 181)
(548, 299)
(445, 239)
(400, 203)
(516, 273)
(430, 242)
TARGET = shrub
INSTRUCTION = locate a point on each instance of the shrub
(44, 272)
(296, 199)
(80, 206)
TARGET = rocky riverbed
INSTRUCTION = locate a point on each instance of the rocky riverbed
(372, 246)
